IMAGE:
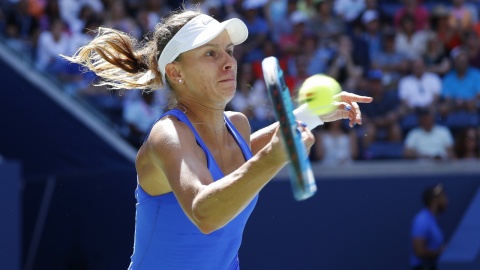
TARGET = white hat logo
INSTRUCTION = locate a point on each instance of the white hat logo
(207, 20)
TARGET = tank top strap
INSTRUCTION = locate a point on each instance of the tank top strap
(247, 153)
(211, 163)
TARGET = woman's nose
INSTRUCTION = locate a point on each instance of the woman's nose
(230, 62)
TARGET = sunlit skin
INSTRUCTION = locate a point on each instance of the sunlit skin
(204, 81)
(209, 73)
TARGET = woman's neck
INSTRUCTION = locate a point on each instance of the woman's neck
(201, 114)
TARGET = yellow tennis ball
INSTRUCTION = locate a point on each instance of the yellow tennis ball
(319, 91)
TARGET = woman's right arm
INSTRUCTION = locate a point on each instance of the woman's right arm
(209, 204)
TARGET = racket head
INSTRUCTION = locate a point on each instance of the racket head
(301, 175)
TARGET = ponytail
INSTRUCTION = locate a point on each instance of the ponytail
(118, 59)
(124, 63)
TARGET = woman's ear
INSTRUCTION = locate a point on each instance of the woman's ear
(173, 72)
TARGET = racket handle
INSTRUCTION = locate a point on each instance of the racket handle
(306, 188)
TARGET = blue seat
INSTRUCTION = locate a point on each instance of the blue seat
(384, 150)
(459, 120)
(408, 122)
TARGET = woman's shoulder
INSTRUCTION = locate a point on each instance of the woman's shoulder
(168, 131)
(239, 120)
(235, 116)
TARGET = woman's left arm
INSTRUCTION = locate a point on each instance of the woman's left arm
(347, 108)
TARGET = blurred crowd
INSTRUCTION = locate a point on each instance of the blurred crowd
(418, 59)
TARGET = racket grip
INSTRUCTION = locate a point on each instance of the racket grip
(305, 189)
(304, 114)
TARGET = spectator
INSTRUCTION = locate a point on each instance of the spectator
(70, 9)
(139, 115)
(242, 101)
(143, 21)
(336, 145)
(420, 89)
(85, 14)
(428, 140)
(372, 35)
(211, 7)
(276, 11)
(149, 15)
(118, 19)
(349, 10)
(461, 86)
(428, 241)
(50, 44)
(326, 24)
(380, 116)
(299, 64)
(307, 7)
(257, 32)
(251, 99)
(449, 36)
(467, 144)
(79, 82)
(13, 38)
(409, 41)
(435, 57)
(392, 63)
(344, 67)
(361, 54)
(289, 43)
(384, 19)
(36, 7)
(133, 7)
(22, 26)
(107, 102)
(317, 56)
(412, 8)
(50, 12)
(460, 16)
(269, 48)
(472, 46)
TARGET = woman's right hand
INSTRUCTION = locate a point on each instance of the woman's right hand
(279, 149)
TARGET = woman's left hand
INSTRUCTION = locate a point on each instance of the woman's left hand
(347, 108)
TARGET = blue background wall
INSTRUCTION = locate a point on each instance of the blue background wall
(10, 215)
(90, 220)
(360, 223)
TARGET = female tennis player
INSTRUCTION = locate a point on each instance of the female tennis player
(199, 169)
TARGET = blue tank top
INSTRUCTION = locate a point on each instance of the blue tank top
(166, 239)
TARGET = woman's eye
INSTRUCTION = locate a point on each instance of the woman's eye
(230, 52)
(210, 53)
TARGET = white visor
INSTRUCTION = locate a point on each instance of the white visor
(197, 32)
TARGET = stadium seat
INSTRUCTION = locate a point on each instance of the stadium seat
(408, 122)
(459, 120)
(384, 150)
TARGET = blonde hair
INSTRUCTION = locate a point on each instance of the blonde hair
(120, 60)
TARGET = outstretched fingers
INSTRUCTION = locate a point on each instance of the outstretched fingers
(350, 97)
(355, 114)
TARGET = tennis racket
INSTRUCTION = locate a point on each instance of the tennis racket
(301, 175)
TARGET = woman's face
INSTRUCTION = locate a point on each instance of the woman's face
(210, 71)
